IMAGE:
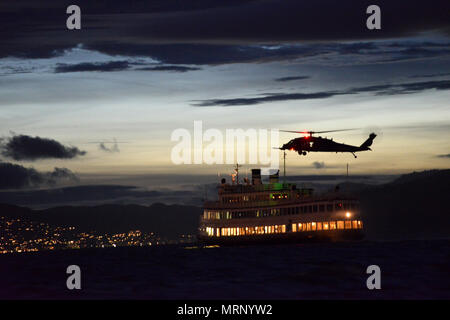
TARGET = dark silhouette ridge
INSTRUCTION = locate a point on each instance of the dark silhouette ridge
(414, 206)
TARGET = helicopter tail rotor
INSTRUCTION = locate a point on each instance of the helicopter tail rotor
(368, 142)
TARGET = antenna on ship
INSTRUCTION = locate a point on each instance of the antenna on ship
(237, 173)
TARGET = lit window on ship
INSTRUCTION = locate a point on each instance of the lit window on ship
(295, 227)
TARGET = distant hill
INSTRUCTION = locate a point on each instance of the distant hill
(414, 206)
(428, 175)
(9, 210)
(353, 187)
(168, 221)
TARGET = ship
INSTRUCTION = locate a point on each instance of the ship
(255, 212)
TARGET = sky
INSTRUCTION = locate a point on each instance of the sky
(103, 101)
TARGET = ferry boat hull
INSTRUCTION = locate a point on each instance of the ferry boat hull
(293, 237)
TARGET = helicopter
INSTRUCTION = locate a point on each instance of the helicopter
(309, 143)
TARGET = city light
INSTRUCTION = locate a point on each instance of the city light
(20, 235)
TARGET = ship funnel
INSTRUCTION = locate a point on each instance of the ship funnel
(256, 176)
(274, 178)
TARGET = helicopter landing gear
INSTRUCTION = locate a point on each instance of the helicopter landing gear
(354, 155)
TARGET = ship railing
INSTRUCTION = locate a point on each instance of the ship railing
(245, 204)
(267, 203)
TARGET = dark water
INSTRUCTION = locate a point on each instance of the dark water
(412, 269)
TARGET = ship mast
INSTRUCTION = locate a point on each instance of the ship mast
(237, 172)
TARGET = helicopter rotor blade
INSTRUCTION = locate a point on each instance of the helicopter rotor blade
(313, 132)
(335, 130)
(302, 132)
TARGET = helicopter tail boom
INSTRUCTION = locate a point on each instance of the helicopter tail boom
(366, 144)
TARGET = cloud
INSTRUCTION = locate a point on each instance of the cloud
(263, 99)
(94, 66)
(443, 155)
(114, 148)
(23, 147)
(385, 89)
(120, 23)
(15, 176)
(59, 174)
(415, 52)
(404, 88)
(210, 53)
(101, 194)
(317, 53)
(184, 57)
(170, 68)
(284, 79)
(432, 75)
(318, 165)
